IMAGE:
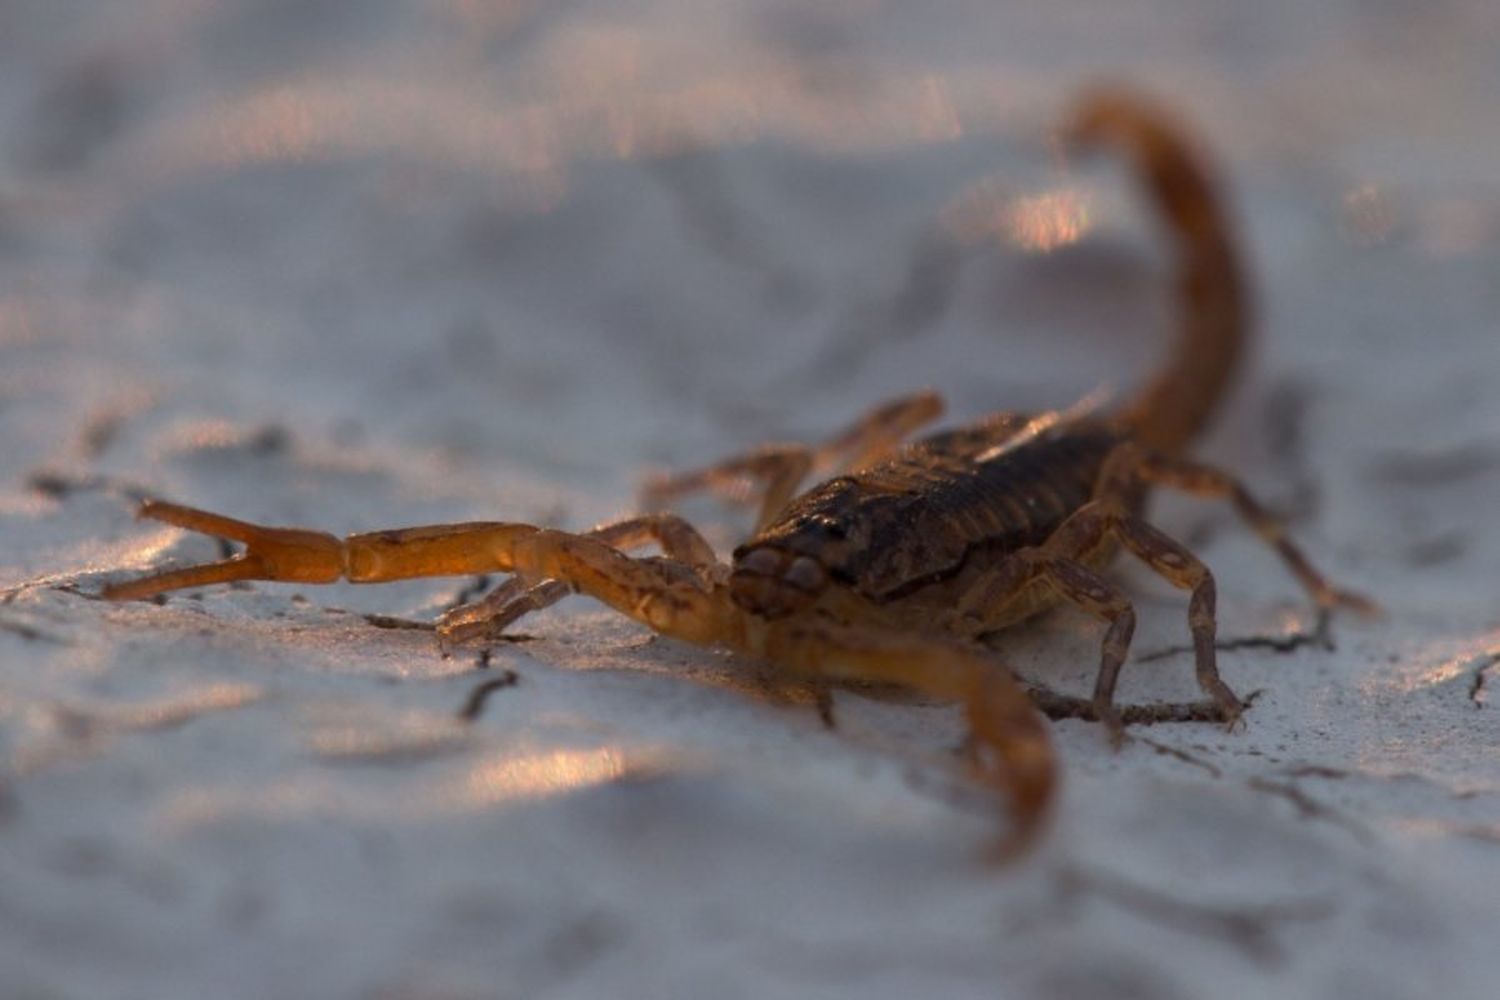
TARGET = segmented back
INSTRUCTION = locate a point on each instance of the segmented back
(898, 526)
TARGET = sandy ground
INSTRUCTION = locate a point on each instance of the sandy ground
(357, 265)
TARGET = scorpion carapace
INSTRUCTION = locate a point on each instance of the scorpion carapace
(895, 568)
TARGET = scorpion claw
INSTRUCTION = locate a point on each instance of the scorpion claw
(270, 554)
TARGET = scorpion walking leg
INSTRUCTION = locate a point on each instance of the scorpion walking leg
(770, 476)
(1133, 465)
(991, 601)
(518, 596)
(1185, 570)
(776, 469)
(1208, 482)
(1013, 752)
(878, 432)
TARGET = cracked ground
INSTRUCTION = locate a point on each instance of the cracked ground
(453, 261)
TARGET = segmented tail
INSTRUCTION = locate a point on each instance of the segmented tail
(1181, 398)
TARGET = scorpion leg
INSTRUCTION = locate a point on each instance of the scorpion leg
(1060, 562)
(1210, 483)
(770, 476)
(1013, 752)
(498, 610)
(1129, 467)
(992, 600)
(1184, 570)
(776, 469)
(878, 431)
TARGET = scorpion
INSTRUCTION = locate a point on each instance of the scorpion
(894, 570)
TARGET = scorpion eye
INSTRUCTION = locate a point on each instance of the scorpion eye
(830, 527)
(804, 574)
(761, 562)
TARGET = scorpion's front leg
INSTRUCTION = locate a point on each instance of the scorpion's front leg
(1013, 752)
(769, 476)
(666, 595)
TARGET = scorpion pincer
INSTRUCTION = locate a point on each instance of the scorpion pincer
(893, 569)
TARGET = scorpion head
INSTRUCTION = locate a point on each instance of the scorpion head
(773, 583)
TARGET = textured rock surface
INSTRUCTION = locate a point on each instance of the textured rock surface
(361, 265)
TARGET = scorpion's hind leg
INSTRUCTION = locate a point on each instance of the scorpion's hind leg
(1012, 749)
(1000, 596)
(519, 595)
(1205, 481)
(1172, 561)
(1132, 466)
(770, 476)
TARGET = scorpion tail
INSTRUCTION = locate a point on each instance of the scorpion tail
(1181, 398)
(1011, 749)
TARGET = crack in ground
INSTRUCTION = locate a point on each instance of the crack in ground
(29, 632)
(1250, 929)
(1285, 416)
(1321, 636)
(1436, 467)
(923, 297)
(1323, 772)
(82, 732)
(61, 485)
(101, 432)
(1316, 771)
(398, 623)
(469, 593)
(1178, 753)
(1310, 808)
(1477, 693)
(1061, 706)
(473, 706)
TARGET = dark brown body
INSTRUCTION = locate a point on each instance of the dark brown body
(912, 528)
